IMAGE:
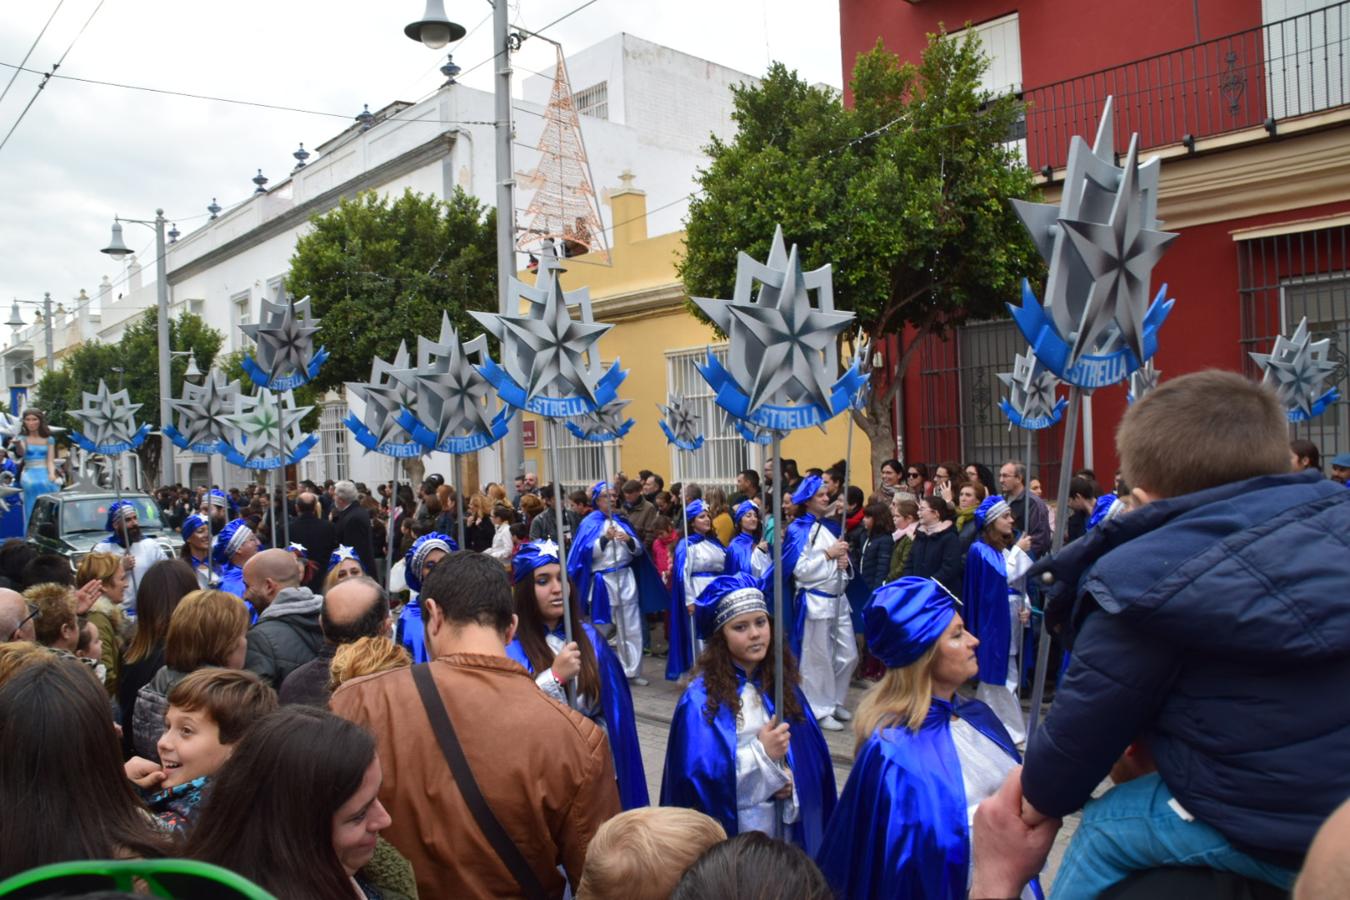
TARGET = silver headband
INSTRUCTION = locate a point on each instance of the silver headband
(420, 557)
(237, 540)
(998, 509)
(738, 603)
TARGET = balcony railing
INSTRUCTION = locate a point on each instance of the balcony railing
(1256, 77)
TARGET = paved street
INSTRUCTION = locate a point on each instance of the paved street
(655, 704)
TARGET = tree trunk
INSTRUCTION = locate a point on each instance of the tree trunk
(880, 431)
(148, 454)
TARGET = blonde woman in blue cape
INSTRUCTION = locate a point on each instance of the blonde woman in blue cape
(615, 577)
(421, 558)
(997, 608)
(926, 757)
(748, 551)
(822, 635)
(698, 559)
(725, 757)
(540, 645)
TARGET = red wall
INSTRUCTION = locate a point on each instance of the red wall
(1059, 40)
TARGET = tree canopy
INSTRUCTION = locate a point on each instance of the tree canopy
(380, 271)
(905, 193)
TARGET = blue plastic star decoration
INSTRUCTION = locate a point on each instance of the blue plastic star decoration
(109, 422)
(608, 423)
(1031, 402)
(285, 351)
(550, 361)
(1297, 369)
(201, 413)
(456, 412)
(384, 395)
(1142, 382)
(265, 431)
(783, 358)
(1097, 323)
(681, 422)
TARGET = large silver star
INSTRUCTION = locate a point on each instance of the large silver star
(1120, 255)
(1297, 368)
(784, 349)
(546, 351)
(1143, 380)
(202, 409)
(1031, 388)
(453, 398)
(607, 422)
(258, 419)
(285, 337)
(107, 416)
(385, 395)
(10, 426)
(681, 419)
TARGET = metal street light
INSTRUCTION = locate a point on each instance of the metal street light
(16, 321)
(434, 30)
(118, 249)
(192, 371)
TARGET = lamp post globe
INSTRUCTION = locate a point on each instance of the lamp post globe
(117, 248)
(434, 29)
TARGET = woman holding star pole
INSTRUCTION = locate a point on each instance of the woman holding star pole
(541, 647)
(699, 558)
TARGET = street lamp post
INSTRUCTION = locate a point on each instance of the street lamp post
(434, 30)
(16, 321)
(118, 249)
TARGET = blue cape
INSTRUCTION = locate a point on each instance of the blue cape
(408, 632)
(739, 552)
(594, 596)
(900, 829)
(700, 768)
(680, 656)
(12, 523)
(985, 592)
(616, 708)
(798, 538)
(232, 582)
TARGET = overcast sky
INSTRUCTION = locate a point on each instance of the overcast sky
(84, 152)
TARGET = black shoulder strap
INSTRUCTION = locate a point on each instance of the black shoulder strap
(444, 730)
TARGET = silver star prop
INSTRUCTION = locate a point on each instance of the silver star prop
(7, 490)
(254, 423)
(785, 348)
(10, 426)
(1093, 185)
(608, 420)
(681, 419)
(546, 351)
(1297, 368)
(1031, 388)
(202, 409)
(285, 337)
(453, 398)
(107, 416)
(1143, 380)
(385, 395)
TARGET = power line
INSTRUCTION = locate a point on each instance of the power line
(42, 84)
(36, 41)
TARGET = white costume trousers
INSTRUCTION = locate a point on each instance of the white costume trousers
(829, 653)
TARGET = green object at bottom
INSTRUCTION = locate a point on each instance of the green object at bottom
(174, 878)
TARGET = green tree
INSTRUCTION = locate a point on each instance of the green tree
(905, 193)
(137, 356)
(381, 271)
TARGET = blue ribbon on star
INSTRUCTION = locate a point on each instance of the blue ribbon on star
(750, 437)
(600, 437)
(1036, 423)
(780, 418)
(457, 444)
(367, 438)
(552, 407)
(671, 438)
(285, 382)
(180, 441)
(1319, 406)
(267, 463)
(111, 449)
(1091, 371)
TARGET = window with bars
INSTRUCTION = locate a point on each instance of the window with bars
(333, 441)
(1282, 279)
(723, 454)
(593, 101)
(580, 463)
(239, 312)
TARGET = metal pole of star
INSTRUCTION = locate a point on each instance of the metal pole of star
(779, 533)
(570, 687)
(389, 537)
(459, 499)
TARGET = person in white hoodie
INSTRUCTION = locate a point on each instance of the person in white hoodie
(502, 517)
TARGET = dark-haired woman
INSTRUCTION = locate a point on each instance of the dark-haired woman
(936, 552)
(196, 551)
(747, 551)
(307, 829)
(166, 583)
(892, 478)
(726, 756)
(601, 688)
(752, 865)
(699, 558)
(63, 792)
(39, 459)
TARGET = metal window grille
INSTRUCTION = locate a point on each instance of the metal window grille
(1281, 279)
(580, 463)
(593, 101)
(333, 440)
(723, 454)
(959, 396)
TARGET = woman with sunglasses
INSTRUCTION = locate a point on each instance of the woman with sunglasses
(916, 480)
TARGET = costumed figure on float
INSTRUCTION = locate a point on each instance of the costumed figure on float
(39, 463)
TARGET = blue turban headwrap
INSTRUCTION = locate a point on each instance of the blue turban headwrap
(904, 618)
(192, 523)
(416, 556)
(725, 598)
(217, 497)
(810, 485)
(596, 490)
(1108, 506)
(742, 508)
(231, 538)
(532, 556)
(990, 509)
(118, 511)
(694, 509)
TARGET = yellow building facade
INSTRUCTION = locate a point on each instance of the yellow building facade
(657, 340)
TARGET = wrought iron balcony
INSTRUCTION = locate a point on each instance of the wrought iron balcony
(1249, 79)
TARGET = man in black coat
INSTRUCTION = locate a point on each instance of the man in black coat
(351, 524)
(316, 535)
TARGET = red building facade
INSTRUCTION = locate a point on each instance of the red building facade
(1248, 105)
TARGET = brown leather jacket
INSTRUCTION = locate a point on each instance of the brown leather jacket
(643, 518)
(545, 771)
